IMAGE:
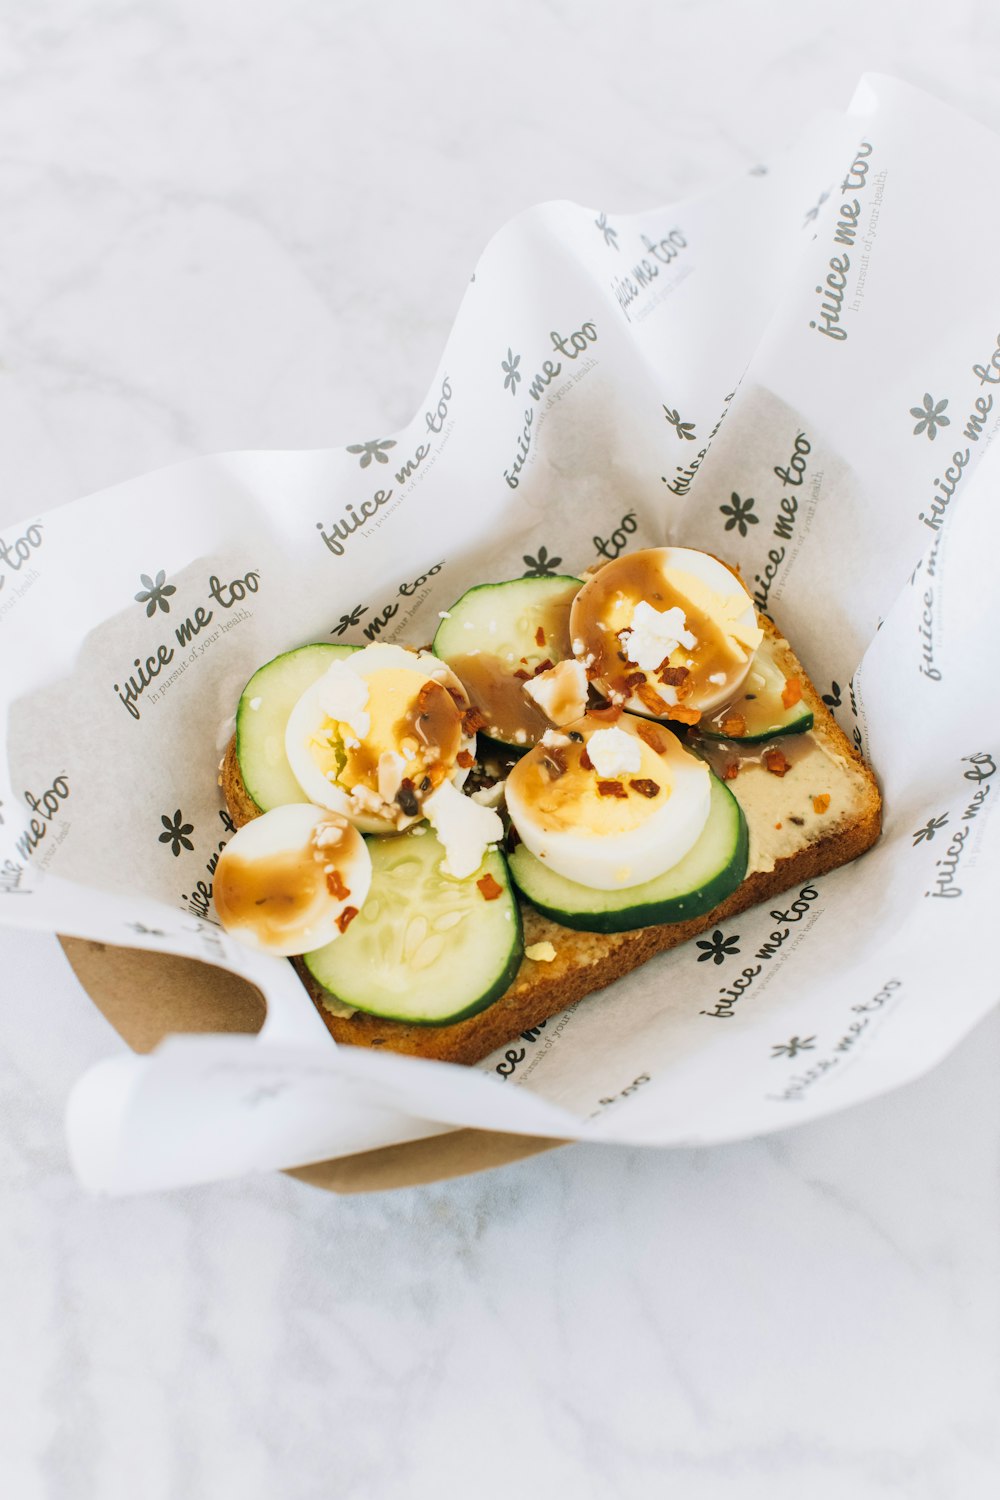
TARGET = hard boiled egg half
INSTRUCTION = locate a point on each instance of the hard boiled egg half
(609, 806)
(292, 880)
(378, 734)
(668, 631)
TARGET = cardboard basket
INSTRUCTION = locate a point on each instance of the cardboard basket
(148, 996)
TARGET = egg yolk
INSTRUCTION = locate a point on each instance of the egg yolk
(418, 721)
(565, 792)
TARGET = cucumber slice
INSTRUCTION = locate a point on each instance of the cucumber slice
(264, 707)
(497, 629)
(760, 705)
(424, 948)
(704, 877)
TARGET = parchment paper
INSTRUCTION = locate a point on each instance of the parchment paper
(796, 372)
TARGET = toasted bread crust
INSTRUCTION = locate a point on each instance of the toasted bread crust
(586, 962)
(242, 807)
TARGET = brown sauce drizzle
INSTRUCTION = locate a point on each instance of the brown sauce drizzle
(723, 755)
(506, 707)
(273, 896)
(490, 682)
(433, 720)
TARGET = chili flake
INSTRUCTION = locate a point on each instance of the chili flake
(645, 787)
(683, 715)
(791, 692)
(821, 803)
(539, 636)
(648, 696)
(472, 720)
(732, 771)
(346, 918)
(464, 759)
(611, 789)
(776, 763)
(489, 888)
(734, 726)
(335, 885)
(651, 736)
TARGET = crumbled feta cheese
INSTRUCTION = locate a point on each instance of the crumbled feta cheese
(255, 704)
(490, 796)
(613, 752)
(717, 677)
(541, 953)
(520, 737)
(654, 634)
(561, 692)
(444, 614)
(390, 774)
(367, 801)
(464, 828)
(554, 740)
(325, 835)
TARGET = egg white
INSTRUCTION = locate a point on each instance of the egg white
(291, 830)
(310, 713)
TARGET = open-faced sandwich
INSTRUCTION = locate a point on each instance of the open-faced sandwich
(453, 845)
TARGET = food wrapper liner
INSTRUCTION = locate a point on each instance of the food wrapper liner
(799, 372)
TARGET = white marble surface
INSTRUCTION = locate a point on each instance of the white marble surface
(249, 225)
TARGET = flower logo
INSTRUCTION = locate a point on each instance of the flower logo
(739, 514)
(376, 450)
(813, 213)
(793, 1046)
(542, 566)
(929, 417)
(832, 699)
(610, 235)
(718, 948)
(511, 373)
(176, 832)
(155, 593)
(683, 429)
(930, 828)
(348, 622)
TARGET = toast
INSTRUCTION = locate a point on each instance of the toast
(812, 843)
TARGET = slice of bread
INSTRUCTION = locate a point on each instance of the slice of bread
(587, 961)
